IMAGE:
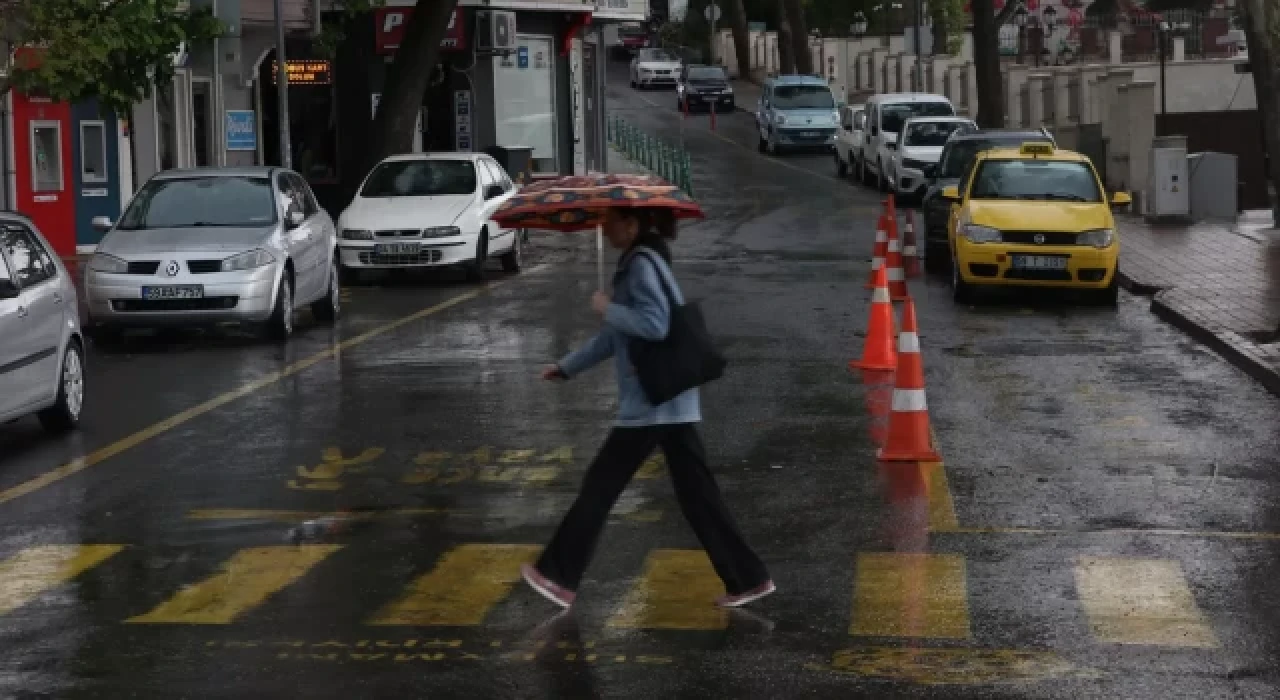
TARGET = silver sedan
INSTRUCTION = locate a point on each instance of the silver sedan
(215, 245)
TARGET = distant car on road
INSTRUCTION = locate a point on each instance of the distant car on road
(631, 38)
(653, 67)
(853, 122)
(41, 349)
(704, 86)
(886, 114)
(796, 111)
(215, 245)
(429, 210)
(919, 147)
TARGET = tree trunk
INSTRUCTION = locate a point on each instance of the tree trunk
(1262, 30)
(407, 78)
(786, 47)
(799, 36)
(986, 61)
(741, 38)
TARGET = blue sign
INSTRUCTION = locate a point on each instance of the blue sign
(242, 130)
(522, 57)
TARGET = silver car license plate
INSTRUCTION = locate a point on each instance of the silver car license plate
(1039, 262)
(190, 291)
(397, 248)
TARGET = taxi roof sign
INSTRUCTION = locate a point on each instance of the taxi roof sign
(1036, 148)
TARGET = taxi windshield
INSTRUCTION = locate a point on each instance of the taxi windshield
(1030, 179)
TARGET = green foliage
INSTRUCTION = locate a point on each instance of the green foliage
(952, 16)
(334, 30)
(110, 51)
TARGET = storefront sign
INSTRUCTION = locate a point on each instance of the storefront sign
(462, 120)
(306, 72)
(389, 24)
(242, 130)
(636, 10)
(522, 57)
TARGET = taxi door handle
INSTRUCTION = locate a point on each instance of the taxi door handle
(57, 298)
(22, 312)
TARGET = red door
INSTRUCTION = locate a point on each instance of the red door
(42, 155)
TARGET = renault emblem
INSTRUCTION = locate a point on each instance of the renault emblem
(1039, 238)
(172, 269)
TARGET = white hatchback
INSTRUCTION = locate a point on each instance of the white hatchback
(429, 210)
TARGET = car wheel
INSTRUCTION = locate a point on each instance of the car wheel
(475, 270)
(961, 291)
(512, 259)
(761, 145)
(772, 145)
(883, 178)
(280, 325)
(1110, 297)
(328, 308)
(64, 414)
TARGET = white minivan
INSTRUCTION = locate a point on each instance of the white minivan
(885, 115)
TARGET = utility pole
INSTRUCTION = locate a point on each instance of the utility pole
(282, 91)
(918, 18)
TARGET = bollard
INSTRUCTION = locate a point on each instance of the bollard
(714, 109)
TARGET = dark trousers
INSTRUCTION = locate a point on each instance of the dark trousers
(566, 557)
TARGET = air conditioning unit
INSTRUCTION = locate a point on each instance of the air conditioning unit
(496, 31)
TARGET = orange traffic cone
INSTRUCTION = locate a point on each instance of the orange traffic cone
(909, 438)
(877, 349)
(893, 264)
(910, 255)
(879, 250)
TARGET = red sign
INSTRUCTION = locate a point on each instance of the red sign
(390, 23)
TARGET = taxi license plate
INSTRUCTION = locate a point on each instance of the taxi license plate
(194, 291)
(1039, 262)
(397, 248)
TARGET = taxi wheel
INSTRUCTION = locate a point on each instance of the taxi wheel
(961, 291)
(1110, 297)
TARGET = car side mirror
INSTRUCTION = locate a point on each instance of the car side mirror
(1121, 199)
(295, 217)
(492, 191)
(951, 193)
(101, 224)
(9, 289)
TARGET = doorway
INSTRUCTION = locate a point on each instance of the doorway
(202, 122)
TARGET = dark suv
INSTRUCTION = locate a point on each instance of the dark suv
(957, 156)
(704, 86)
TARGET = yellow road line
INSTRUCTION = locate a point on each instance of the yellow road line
(911, 595)
(676, 592)
(462, 588)
(35, 570)
(1161, 532)
(297, 516)
(246, 580)
(942, 509)
(1141, 601)
(102, 454)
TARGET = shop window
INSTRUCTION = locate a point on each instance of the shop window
(46, 157)
(524, 87)
(93, 152)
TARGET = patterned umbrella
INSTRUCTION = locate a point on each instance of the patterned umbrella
(578, 202)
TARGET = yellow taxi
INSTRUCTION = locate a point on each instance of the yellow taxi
(1033, 216)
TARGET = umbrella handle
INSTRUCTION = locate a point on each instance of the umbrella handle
(600, 257)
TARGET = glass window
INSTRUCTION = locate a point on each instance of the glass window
(931, 133)
(487, 176)
(420, 178)
(93, 152)
(31, 264)
(893, 115)
(304, 196)
(1036, 180)
(289, 199)
(706, 73)
(46, 157)
(5, 275)
(524, 107)
(201, 201)
(803, 97)
(657, 55)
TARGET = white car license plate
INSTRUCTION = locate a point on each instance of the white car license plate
(1039, 262)
(397, 248)
(194, 291)
(809, 134)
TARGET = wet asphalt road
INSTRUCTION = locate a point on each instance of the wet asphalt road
(1105, 523)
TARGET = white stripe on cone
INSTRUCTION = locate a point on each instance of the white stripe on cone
(908, 400)
(876, 264)
(895, 246)
(881, 236)
(880, 296)
(896, 275)
(908, 341)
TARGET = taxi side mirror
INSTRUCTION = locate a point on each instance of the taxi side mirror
(1121, 199)
(951, 193)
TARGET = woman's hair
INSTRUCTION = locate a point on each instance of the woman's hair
(654, 220)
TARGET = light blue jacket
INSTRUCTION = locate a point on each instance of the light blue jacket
(639, 309)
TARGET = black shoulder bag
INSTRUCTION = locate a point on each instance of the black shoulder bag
(685, 359)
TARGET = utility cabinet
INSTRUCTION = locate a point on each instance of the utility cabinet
(1170, 185)
(1214, 185)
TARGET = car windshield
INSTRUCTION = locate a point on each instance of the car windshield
(803, 97)
(241, 201)
(930, 133)
(420, 178)
(896, 114)
(1042, 180)
(657, 56)
(706, 73)
(630, 30)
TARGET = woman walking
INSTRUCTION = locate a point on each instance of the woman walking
(644, 289)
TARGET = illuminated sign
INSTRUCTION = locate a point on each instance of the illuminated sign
(305, 72)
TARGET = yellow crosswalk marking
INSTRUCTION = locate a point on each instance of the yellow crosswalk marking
(35, 570)
(942, 510)
(911, 595)
(1141, 601)
(676, 592)
(246, 580)
(462, 588)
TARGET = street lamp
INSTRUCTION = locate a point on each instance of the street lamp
(1033, 25)
(1165, 29)
(859, 26)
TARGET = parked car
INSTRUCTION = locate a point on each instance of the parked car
(41, 348)
(632, 37)
(853, 121)
(885, 116)
(919, 147)
(653, 67)
(957, 156)
(430, 210)
(796, 111)
(214, 245)
(704, 86)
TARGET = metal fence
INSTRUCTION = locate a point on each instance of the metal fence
(1083, 39)
(666, 160)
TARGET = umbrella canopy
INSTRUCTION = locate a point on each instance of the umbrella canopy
(578, 202)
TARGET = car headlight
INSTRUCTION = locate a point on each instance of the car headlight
(248, 261)
(357, 234)
(980, 234)
(780, 119)
(441, 231)
(914, 164)
(1098, 238)
(835, 117)
(101, 262)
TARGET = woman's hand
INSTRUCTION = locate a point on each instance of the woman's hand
(553, 373)
(600, 302)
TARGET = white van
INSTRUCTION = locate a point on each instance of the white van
(885, 115)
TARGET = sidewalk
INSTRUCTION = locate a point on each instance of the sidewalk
(1219, 283)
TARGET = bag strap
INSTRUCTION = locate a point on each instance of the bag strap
(663, 273)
